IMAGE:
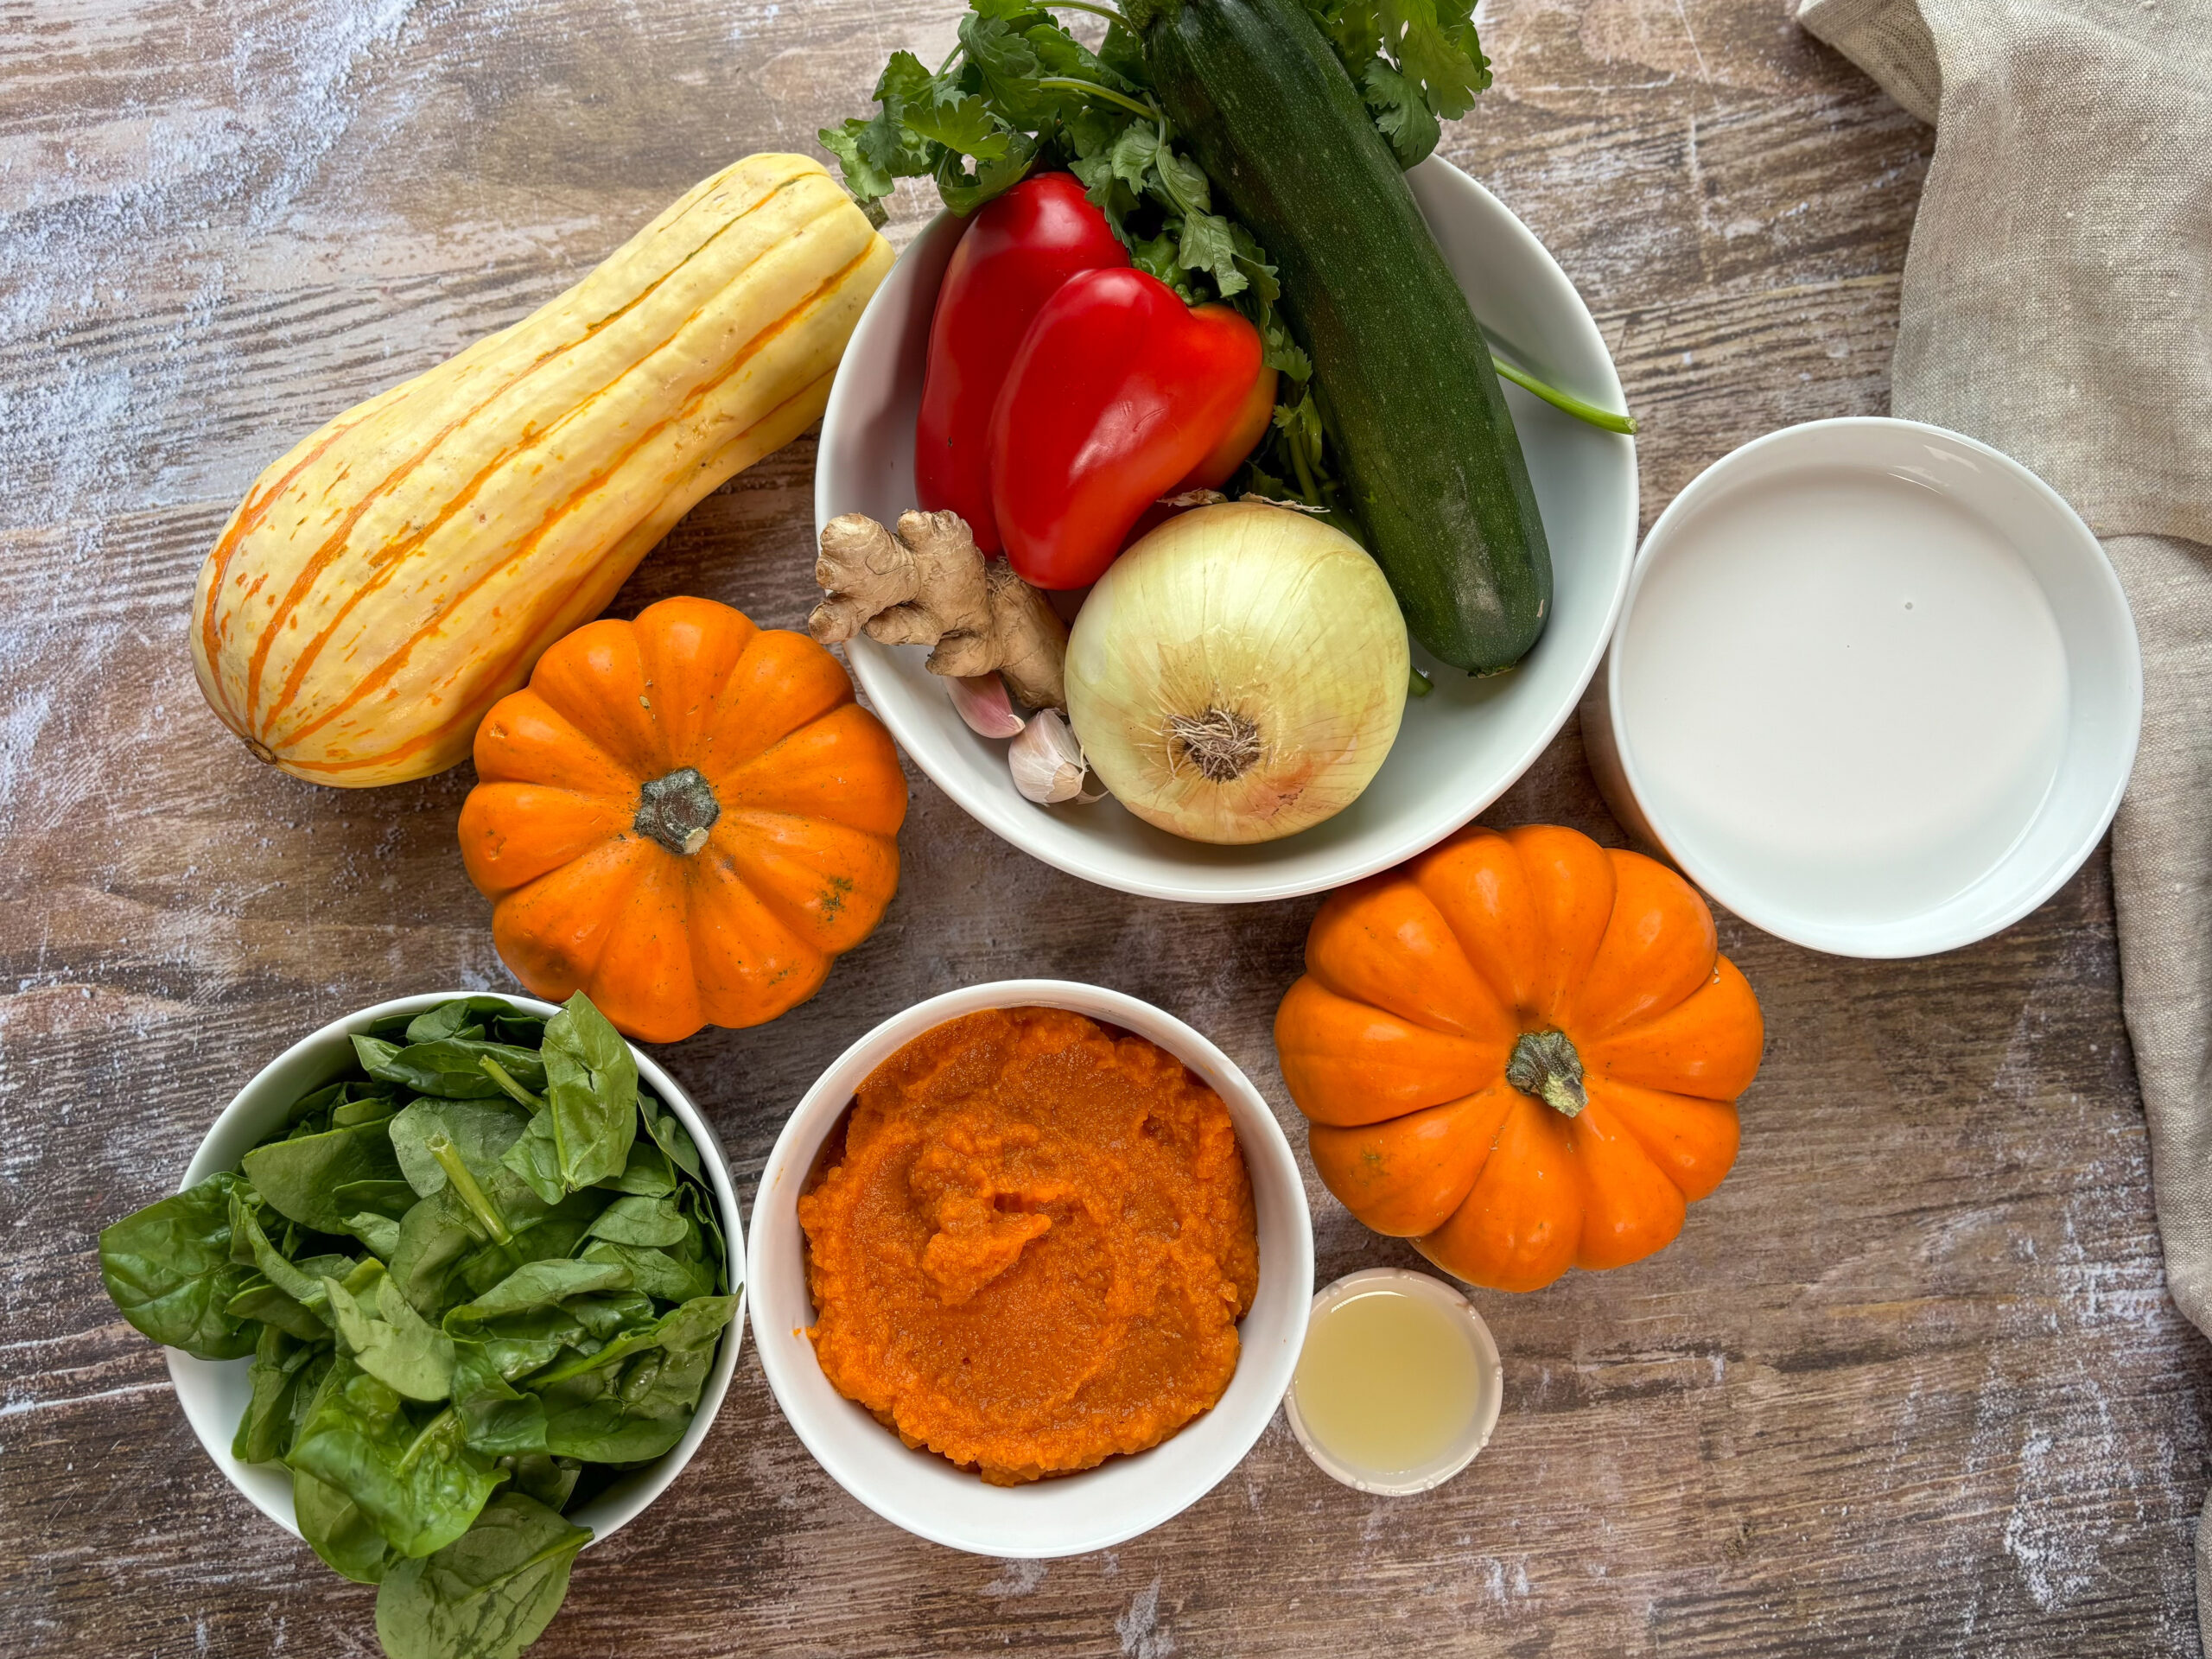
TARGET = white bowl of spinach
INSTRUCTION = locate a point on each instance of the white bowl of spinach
(447, 1293)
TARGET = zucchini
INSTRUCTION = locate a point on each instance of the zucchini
(1401, 374)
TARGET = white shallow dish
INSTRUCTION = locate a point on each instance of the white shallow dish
(1833, 764)
(1490, 1384)
(1460, 748)
(213, 1393)
(1073, 1514)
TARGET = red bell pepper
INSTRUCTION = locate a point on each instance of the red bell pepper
(1119, 391)
(1016, 251)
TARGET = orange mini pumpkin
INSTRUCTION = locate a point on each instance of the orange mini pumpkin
(685, 817)
(1521, 1052)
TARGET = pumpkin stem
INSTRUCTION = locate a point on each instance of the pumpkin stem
(677, 810)
(1545, 1064)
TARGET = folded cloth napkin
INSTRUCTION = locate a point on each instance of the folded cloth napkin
(2058, 304)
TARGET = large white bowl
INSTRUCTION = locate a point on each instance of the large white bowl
(213, 1393)
(1073, 1514)
(1938, 481)
(1460, 748)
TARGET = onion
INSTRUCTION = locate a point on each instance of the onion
(1238, 675)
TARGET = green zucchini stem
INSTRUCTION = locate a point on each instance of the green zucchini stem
(1070, 84)
(1604, 418)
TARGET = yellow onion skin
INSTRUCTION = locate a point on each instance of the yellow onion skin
(1238, 675)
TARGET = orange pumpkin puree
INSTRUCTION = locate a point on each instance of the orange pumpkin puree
(1034, 1246)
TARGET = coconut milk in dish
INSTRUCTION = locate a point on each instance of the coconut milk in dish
(1855, 697)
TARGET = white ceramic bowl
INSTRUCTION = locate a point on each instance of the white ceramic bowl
(1460, 748)
(213, 1393)
(1073, 1514)
(1991, 753)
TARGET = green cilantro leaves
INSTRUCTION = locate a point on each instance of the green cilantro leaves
(1018, 92)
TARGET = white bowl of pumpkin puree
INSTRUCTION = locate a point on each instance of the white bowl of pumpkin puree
(1031, 1266)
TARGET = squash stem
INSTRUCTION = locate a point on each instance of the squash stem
(1545, 1066)
(1605, 419)
(1421, 685)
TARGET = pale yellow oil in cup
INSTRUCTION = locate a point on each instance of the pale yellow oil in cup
(1399, 1383)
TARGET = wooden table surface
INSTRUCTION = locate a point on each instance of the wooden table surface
(1909, 1383)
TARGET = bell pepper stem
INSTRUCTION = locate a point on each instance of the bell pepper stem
(1421, 685)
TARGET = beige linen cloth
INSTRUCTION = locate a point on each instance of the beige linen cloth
(2057, 303)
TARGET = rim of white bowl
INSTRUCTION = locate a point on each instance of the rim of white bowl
(1911, 937)
(1490, 1383)
(870, 661)
(632, 1494)
(1261, 1382)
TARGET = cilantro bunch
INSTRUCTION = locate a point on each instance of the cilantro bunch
(1019, 94)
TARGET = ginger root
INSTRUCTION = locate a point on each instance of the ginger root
(928, 584)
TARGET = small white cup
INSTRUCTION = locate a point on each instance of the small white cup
(1489, 1385)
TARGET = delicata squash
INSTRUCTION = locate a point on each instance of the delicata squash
(1522, 1052)
(400, 570)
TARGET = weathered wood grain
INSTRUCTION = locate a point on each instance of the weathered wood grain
(1909, 1383)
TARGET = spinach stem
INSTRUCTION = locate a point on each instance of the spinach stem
(440, 1147)
(500, 1075)
(1070, 84)
(1603, 418)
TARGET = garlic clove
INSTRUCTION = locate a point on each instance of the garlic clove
(1046, 761)
(983, 703)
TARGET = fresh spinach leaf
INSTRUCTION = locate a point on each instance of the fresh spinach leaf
(299, 1179)
(648, 1174)
(451, 1068)
(695, 1324)
(419, 1484)
(462, 1016)
(434, 1237)
(489, 1594)
(664, 1276)
(536, 1158)
(265, 1433)
(260, 1299)
(535, 1285)
(380, 1233)
(169, 1271)
(670, 1136)
(549, 1479)
(384, 1335)
(649, 1222)
(591, 1093)
(339, 1531)
(480, 1130)
(497, 1418)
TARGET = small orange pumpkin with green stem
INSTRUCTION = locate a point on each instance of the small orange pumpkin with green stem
(685, 817)
(1521, 1052)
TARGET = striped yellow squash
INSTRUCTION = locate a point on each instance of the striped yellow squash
(400, 571)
